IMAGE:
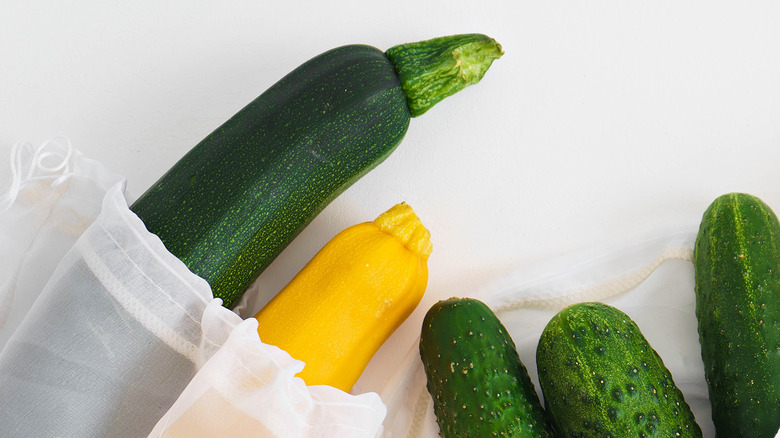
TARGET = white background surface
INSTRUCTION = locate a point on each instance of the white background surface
(603, 121)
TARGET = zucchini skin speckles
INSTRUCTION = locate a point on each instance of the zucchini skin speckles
(240, 196)
(479, 386)
(601, 378)
(737, 271)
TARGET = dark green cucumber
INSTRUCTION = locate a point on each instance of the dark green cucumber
(240, 196)
(480, 388)
(601, 378)
(737, 271)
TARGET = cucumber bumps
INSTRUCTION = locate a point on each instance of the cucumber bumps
(737, 265)
(480, 388)
(600, 378)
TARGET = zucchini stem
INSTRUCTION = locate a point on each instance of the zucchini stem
(434, 69)
(402, 223)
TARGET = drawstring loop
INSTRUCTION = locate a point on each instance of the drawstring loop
(49, 162)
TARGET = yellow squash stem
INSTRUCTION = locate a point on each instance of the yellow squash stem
(342, 306)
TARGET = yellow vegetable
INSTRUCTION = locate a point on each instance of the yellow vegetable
(339, 309)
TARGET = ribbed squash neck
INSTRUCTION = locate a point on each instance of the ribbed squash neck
(434, 69)
(401, 222)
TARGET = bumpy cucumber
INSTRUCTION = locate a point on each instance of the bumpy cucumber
(737, 265)
(480, 388)
(240, 196)
(601, 378)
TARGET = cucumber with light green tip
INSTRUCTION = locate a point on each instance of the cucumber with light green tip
(601, 378)
(241, 195)
(479, 386)
(737, 271)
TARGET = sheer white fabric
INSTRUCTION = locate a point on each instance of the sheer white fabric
(123, 336)
(53, 195)
(105, 333)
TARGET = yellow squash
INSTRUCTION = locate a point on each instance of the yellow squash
(339, 309)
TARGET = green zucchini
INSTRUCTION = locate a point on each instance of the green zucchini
(478, 384)
(240, 196)
(601, 378)
(737, 274)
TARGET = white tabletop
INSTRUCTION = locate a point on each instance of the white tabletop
(602, 122)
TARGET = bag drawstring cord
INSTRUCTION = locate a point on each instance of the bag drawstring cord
(39, 168)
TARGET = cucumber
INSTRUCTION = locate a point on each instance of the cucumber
(478, 384)
(601, 378)
(737, 274)
(240, 196)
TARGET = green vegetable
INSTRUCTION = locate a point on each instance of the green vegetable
(737, 266)
(601, 378)
(240, 196)
(427, 77)
(478, 383)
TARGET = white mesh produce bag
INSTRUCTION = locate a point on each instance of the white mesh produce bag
(247, 389)
(125, 341)
(122, 328)
(53, 195)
